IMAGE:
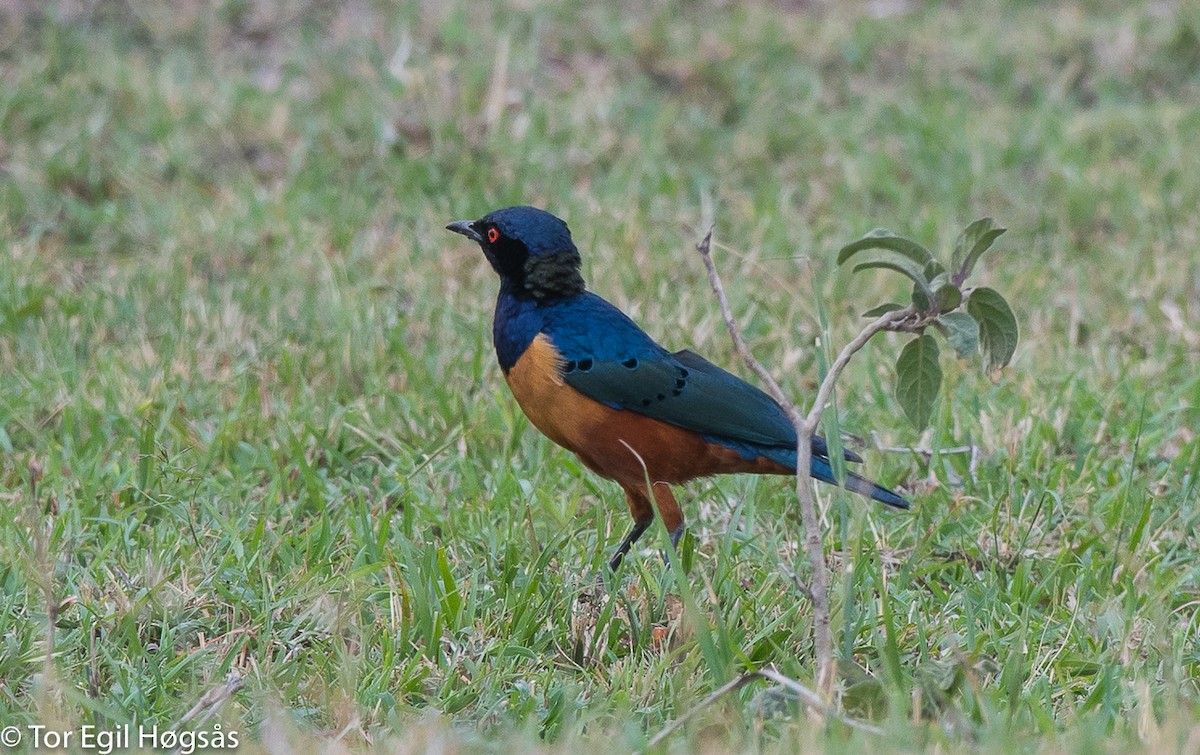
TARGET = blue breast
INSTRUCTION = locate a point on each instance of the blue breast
(582, 326)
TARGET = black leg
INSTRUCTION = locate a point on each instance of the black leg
(632, 537)
(676, 535)
(627, 543)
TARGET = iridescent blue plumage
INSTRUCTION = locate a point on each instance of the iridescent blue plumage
(610, 359)
(602, 356)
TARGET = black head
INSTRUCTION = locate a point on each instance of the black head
(530, 249)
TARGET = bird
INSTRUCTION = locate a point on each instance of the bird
(596, 384)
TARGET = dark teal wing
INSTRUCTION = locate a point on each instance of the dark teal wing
(685, 390)
(609, 359)
(732, 388)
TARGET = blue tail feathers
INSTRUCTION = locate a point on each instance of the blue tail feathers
(820, 469)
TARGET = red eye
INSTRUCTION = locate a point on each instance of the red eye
(493, 235)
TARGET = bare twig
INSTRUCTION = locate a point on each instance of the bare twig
(806, 426)
(799, 583)
(804, 490)
(924, 451)
(208, 705)
(896, 320)
(927, 453)
(730, 686)
(810, 698)
(814, 701)
(354, 725)
(735, 333)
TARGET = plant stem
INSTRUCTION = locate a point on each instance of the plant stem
(806, 427)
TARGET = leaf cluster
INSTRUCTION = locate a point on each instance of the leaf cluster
(971, 320)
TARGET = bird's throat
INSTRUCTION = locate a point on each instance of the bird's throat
(552, 276)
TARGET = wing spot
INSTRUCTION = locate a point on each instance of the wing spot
(683, 372)
(680, 384)
(631, 363)
(661, 397)
(569, 366)
(645, 402)
(585, 365)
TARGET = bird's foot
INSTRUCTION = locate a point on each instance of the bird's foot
(638, 528)
(614, 563)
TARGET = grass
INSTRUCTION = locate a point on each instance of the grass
(256, 374)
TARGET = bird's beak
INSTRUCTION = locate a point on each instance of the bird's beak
(464, 227)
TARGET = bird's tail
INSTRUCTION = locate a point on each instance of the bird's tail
(820, 469)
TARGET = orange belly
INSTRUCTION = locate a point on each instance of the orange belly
(621, 445)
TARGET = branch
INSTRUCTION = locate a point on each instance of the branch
(814, 702)
(808, 500)
(806, 427)
(807, 696)
(739, 344)
(927, 453)
(206, 707)
(813, 547)
(717, 694)
(887, 321)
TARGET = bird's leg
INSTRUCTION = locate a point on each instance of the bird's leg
(638, 528)
(643, 517)
(676, 535)
(668, 509)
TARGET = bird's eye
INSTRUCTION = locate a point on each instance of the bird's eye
(493, 235)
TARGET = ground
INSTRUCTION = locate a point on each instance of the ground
(251, 422)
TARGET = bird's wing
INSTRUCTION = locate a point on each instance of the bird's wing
(618, 365)
(739, 391)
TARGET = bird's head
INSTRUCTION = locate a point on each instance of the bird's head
(530, 249)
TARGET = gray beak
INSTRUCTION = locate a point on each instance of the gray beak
(464, 227)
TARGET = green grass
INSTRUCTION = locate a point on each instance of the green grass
(257, 374)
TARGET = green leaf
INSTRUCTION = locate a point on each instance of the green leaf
(918, 379)
(899, 265)
(883, 308)
(883, 239)
(921, 298)
(943, 297)
(947, 297)
(975, 239)
(997, 326)
(961, 331)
